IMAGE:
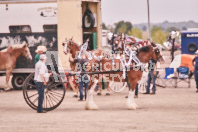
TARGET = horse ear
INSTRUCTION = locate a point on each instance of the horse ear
(25, 45)
(65, 39)
(153, 44)
(71, 37)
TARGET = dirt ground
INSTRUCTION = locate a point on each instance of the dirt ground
(170, 110)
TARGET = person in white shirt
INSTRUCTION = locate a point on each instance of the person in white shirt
(41, 78)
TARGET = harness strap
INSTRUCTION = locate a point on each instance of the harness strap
(83, 48)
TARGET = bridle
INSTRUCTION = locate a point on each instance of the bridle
(66, 47)
(28, 54)
(157, 52)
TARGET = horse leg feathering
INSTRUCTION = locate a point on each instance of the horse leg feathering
(8, 73)
(90, 105)
(131, 105)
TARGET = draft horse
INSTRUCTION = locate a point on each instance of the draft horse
(73, 48)
(10, 56)
(134, 74)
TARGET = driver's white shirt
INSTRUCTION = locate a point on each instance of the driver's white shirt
(40, 68)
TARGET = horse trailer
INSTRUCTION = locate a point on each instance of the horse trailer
(189, 41)
(46, 22)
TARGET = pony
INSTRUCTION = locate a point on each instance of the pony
(134, 74)
(9, 57)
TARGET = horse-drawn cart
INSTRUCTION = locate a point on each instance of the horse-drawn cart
(53, 95)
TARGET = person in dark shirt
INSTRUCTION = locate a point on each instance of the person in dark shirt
(151, 76)
(83, 78)
(195, 64)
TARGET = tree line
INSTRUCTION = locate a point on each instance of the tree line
(158, 34)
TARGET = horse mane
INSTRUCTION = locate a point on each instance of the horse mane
(13, 47)
(144, 49)
(76, 45)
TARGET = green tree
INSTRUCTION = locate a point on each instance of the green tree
(172, 29)
(155, 29)
(104, 26)
(123, 26)
(159, 36)
(122, 29)
(136, 32)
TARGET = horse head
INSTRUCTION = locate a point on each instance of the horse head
(70, 47)
(157, 55)
(26, 52)
(67, 45)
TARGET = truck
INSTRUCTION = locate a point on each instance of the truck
(31, 22)
(47, 22)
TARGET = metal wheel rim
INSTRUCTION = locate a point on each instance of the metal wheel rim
(53, 95)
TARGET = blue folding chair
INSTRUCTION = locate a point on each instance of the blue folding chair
(183, 75)
(165, 81)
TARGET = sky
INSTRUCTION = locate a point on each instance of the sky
(135, 11)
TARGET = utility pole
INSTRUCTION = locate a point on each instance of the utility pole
(149, 30)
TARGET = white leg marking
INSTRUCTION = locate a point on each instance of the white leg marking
(131, 105)
(90, 105)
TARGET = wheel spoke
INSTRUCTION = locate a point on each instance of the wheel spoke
(50, 99)
(57, 94)
(31, 85)
(35, 100)
(54, 97)
(33, 95)
(53, 85)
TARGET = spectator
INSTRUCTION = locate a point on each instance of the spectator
(136, 91)
(41, 78)
(151, 76)
(195, 64)
(40, 50)
(83, 78)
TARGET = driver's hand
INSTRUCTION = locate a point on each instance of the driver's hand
(45, 83)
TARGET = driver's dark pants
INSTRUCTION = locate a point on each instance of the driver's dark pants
(136, 89)
(151, 77)
(40, 88)
(83, 81)
(196, 77)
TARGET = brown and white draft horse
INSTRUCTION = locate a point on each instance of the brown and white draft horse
(73, 48)
(9, 58)
(134, 74)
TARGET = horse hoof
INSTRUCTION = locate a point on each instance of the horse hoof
(91, 107)
(7, 89)
(98, 93)
(131, 106)
(108, 94)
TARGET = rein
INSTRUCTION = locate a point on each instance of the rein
(100, 72)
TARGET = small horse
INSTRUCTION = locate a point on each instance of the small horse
(73, 48)
(134, 74)
(9, 58)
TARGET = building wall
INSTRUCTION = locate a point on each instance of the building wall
(69, 25)
(70, 14)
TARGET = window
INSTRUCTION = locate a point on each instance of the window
(50, 28)
(20, 29)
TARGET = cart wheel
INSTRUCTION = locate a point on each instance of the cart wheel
(117, 86)
(53, 95)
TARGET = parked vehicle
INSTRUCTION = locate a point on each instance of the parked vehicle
(33, 23)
